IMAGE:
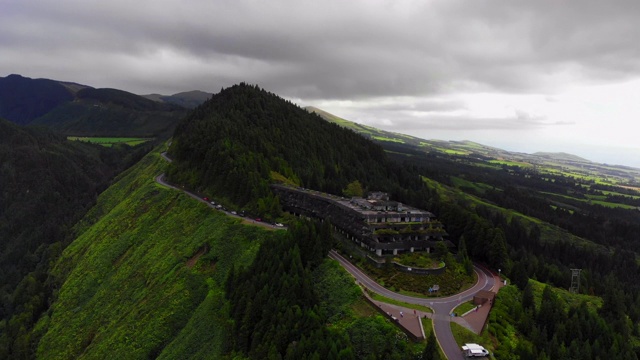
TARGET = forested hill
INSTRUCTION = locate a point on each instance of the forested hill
(112, 112)
(244, 138)
(23, 99)
(47, 183)
(80, 110)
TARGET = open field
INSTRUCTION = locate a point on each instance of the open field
(110, 141)
(594, 200)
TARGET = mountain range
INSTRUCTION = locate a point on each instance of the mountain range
(126, 267)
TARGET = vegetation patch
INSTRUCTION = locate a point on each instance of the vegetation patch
(378, 297)
(452, 281)
(110, 141)
(419, 260)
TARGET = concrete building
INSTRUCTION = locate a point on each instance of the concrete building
(381, 226)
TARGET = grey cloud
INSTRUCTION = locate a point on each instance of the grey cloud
(332, 50)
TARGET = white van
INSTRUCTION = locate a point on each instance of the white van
(474, 350)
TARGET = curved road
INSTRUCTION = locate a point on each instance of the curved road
(160, 180)
(442, 307)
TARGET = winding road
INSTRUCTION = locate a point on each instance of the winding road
(442, 307)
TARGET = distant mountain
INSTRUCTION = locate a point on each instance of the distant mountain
(470, 151)
(561, 156)
(23, 99)
(80, 110)
(188, 99)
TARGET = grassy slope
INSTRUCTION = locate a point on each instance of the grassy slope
(126, 290)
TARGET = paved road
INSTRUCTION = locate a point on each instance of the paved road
(442, 307)
(160, 180)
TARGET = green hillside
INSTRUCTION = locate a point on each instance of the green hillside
(147, 278)
(47, 184)
(148, 260)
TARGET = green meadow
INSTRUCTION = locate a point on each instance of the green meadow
(110, 141)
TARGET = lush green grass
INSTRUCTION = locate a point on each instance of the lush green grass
(593, 199)
(419, 260)
(464, 307)
(452, 151)
(511, 163)
(480, 188)
(387, 300)
(382, 138)
(126, 290)
(110, 141)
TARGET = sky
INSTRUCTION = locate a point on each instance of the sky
(522, 75)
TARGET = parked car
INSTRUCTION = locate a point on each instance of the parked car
(234, 213)
(474, 350)
(279, 225)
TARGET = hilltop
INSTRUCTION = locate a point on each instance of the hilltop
(187, 99)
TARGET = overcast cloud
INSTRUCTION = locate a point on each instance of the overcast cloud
(547, 74)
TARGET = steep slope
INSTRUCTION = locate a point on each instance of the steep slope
(47, 184)
(127, 285)
(23, 99)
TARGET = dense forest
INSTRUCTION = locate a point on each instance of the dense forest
(48, 183)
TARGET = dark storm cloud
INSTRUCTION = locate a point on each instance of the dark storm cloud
(327, 50)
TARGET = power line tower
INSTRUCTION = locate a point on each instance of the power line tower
(575, 281)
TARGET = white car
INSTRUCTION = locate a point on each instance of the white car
(279, 225)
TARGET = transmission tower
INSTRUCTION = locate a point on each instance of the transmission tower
(575, 281)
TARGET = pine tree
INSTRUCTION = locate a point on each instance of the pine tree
(431, 350)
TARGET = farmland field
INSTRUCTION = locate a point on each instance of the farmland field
(110, 141)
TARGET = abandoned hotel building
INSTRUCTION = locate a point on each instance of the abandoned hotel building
(381, 226)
